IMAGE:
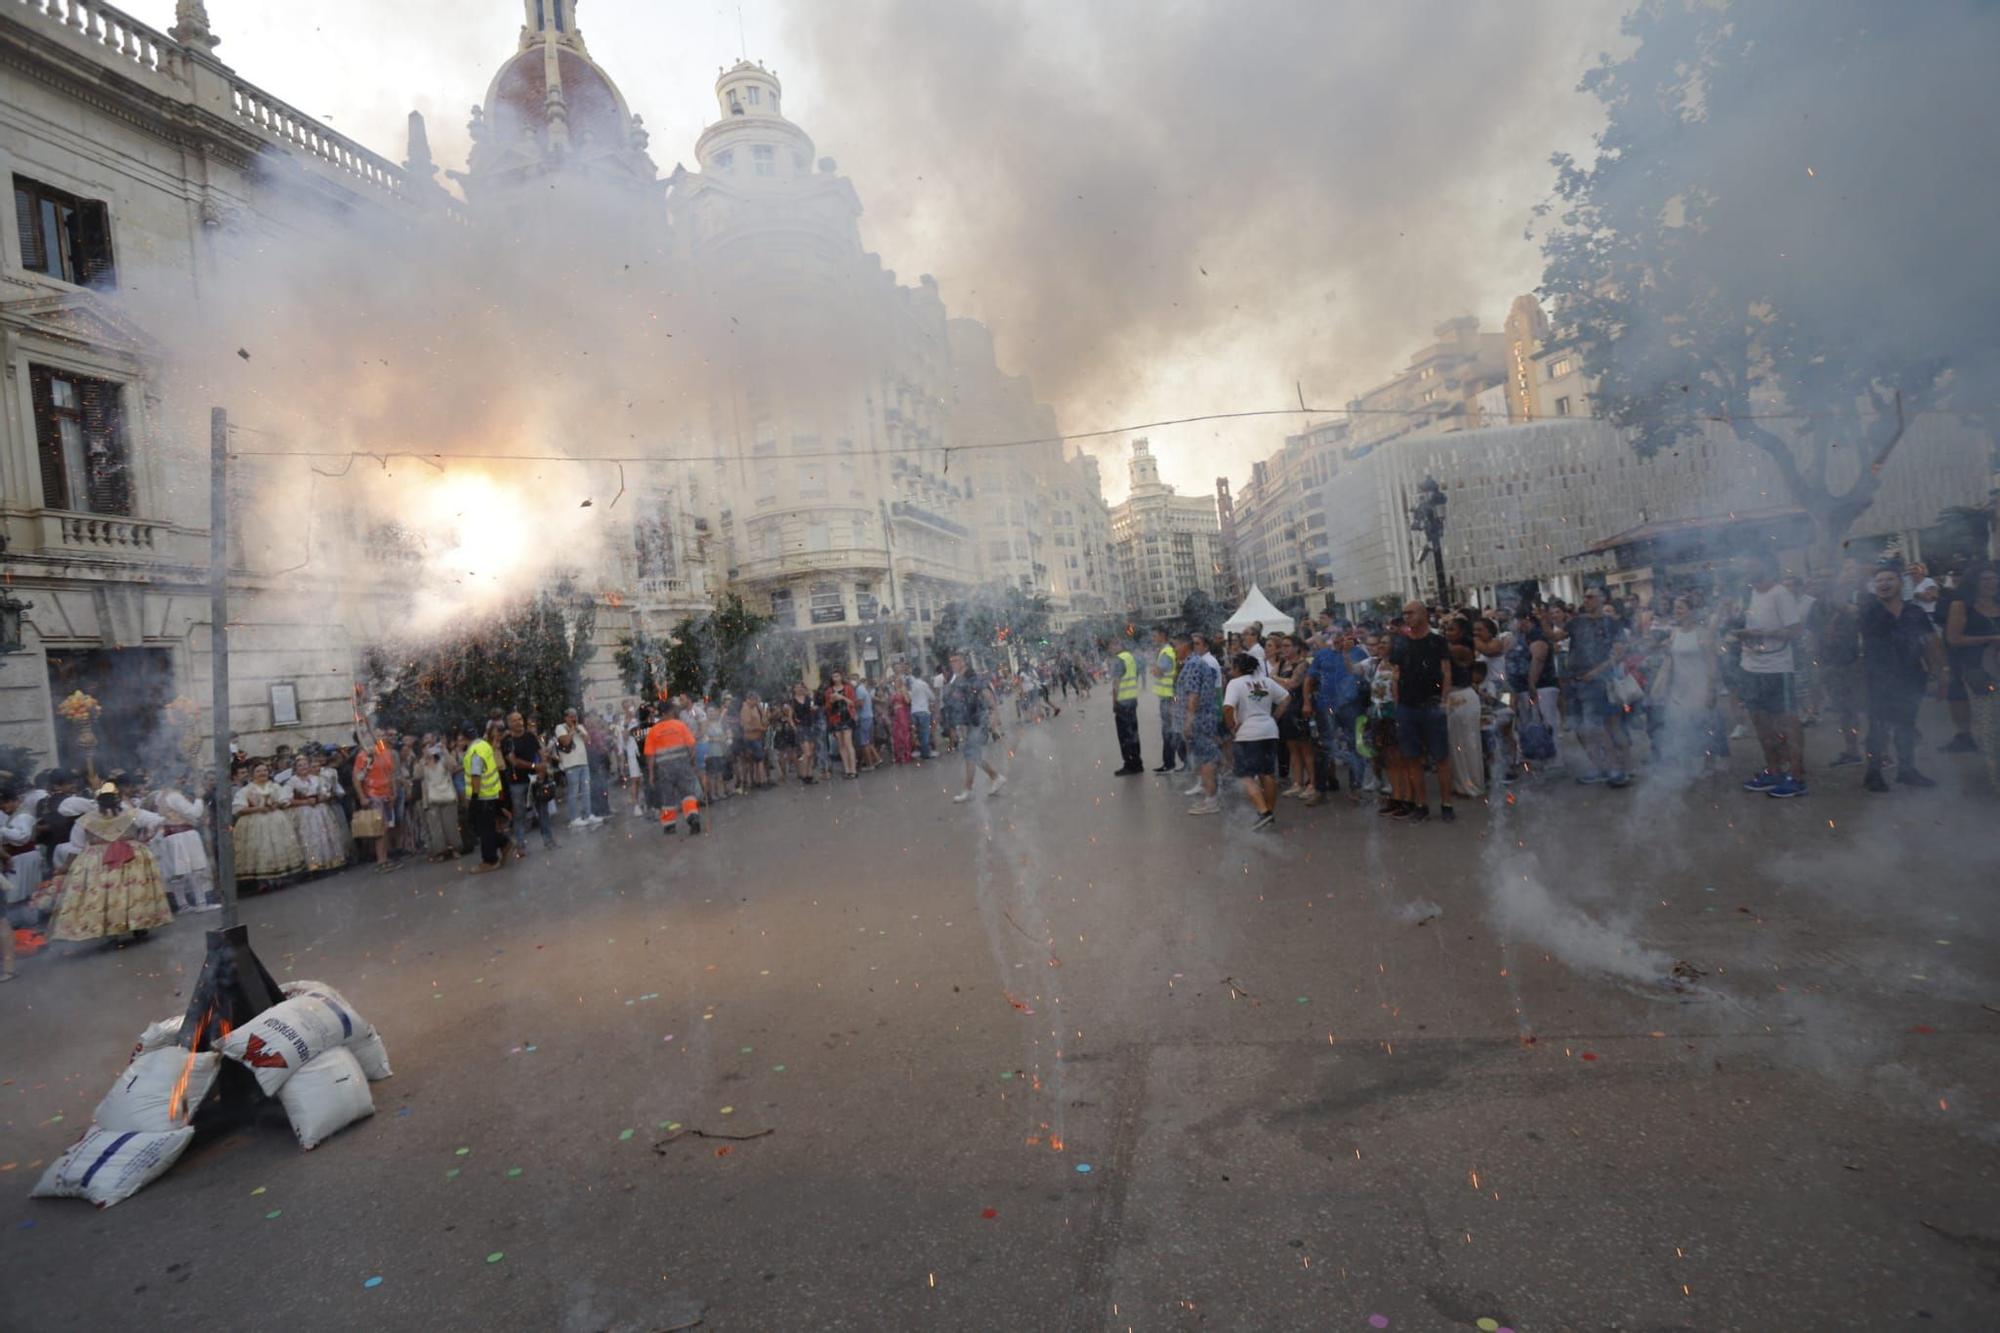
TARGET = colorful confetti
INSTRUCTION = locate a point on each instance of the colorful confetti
(495, 1257)
(372, 1283)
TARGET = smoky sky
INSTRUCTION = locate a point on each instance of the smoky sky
(1164, 209)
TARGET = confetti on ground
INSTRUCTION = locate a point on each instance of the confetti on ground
(1006, 1074)
(746, 1050)
(1378, 1321)
(668, 1037)
(451, 1174)
(274, 1214)
(1304, 1000)
(1487, 1325)
(495, 1257)
(513, 1171)
(990, 1213)
(777, 1069)
(624, 1134)
(1083, 1168)
(465, 1152)
(259, 1190)
(1590, 1055)
(372, 1283)
(729, 1110)
(531, 1049)
(724, 1152)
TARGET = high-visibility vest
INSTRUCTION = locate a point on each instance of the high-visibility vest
(485, 786)
(1128, 679)
(1163, 672)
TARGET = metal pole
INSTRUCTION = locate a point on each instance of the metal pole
(218, 655)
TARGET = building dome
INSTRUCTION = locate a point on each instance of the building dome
(551, 106)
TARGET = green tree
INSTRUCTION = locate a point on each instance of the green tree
(1199, 611)
(1779, 232)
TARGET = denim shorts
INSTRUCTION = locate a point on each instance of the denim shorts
(1256, 759)
(1422, 731)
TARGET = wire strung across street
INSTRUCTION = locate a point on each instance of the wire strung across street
(427, 458)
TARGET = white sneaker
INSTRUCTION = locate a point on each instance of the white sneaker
(1209, 807)
(577, 822)
(1193, 791)
(998, 783)
(593, 821)
(961, 798)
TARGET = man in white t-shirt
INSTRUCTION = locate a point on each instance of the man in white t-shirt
(921, 695)
(1772, 623)
(1251, 706)
(573, 756)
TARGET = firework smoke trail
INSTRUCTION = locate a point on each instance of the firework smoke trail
(1007, 875)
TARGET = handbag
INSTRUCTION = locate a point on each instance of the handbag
(1625, 689)
(367, 823)
(1538, 743)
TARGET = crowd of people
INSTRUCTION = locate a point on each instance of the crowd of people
(1464, 699)
(1456, 701)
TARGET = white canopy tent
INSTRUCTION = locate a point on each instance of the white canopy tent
(1257, 610)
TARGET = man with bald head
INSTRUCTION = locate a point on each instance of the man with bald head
(1422, 664)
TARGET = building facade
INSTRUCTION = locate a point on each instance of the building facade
(805, 461)
(1282, 544)
(1167, 545)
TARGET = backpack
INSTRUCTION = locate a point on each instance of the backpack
(1538, 743)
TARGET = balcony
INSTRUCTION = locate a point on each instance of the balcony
(670, 591)
(918, 514)
(871, 558)
(63, 534)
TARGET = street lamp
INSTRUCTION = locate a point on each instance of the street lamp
(11, 608)
(1427, 517)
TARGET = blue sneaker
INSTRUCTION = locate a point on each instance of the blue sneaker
(1591, 779)
(1788, 787)
(1761, 781)
(1618, 778)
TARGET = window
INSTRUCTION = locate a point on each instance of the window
(767, 539)
(726, 160)
(999, 550)
(62, 235)
(781, 606)
(1562, 407)
(761, 158)
(754, 95)
(818, 538)
(827, 608)
(80, 434)
(1558, 367)
(812, 481)
(865, 607)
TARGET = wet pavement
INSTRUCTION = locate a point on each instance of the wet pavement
(1069, 1059)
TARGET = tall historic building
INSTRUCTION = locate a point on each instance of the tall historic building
(1167, 545)
(804, 457)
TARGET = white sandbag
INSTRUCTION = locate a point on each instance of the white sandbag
(326, 1096)
(108, 1166)
(166, 1032)
(284, 1038)
(373, 1057)
(142, 1098)
(320, 990)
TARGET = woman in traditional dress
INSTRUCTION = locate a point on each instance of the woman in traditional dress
(267, 846)
(17, 840)
(112, 886)
(182, 856)
(314, 833)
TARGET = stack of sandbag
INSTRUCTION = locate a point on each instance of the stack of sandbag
(315, 1054)
(141, 1127)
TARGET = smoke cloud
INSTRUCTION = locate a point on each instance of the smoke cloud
(1162, 210)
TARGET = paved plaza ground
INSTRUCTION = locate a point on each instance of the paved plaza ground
(1069, 1059)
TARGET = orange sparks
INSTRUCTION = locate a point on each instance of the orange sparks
(1473, 1176)
(1055, 1143)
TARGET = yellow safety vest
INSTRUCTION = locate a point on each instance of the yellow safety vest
(1128, 679)
(485, 786)
(1163, 677)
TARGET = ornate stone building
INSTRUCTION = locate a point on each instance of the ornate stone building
(802, 455)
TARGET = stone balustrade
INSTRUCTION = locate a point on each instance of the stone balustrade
(124, 39)
(127, 45)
